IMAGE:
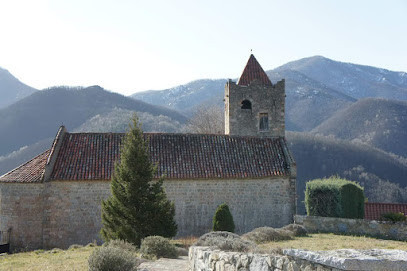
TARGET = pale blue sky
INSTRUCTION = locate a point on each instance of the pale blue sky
(129, 46)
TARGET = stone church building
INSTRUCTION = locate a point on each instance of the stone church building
(54, 200)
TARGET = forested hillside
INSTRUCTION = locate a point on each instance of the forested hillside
(319, 156)
(378, 122)
(38, 116)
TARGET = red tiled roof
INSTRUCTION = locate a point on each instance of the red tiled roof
(374, 210)
(30, 172)
(91, 156)
(253, 71)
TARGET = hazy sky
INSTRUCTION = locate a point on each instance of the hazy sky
(129, 46)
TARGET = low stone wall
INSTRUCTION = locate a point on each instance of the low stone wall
(382, 229)
(209, 259)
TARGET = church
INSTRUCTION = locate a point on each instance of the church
(54, 200)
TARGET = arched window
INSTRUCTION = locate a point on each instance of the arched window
(246, 104)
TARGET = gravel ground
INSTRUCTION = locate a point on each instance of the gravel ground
(164, 264)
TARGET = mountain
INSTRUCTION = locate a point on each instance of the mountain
(308, 102)
(24, 154)
(118, 120)
(357, 81)
(319, 156)
(316, 88)
(39, 115)
(378, 122)
(11, 89)
(185, 97)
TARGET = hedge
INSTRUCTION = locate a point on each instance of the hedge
(334, 197)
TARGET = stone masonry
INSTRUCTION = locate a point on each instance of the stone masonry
(62, 213)
(264, 99)
(212, 259)
(252, 202)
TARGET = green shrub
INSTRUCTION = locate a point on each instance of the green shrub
(109, 258)
(158, 246)
(267, 234)
(223, 219)
(334, 197)
(226, 241)
(394, 217)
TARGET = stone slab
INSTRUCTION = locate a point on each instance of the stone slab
(352, 259)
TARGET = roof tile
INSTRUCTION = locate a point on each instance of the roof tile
(30, 172)
(253, 71)
(91, 156)
(374, 210)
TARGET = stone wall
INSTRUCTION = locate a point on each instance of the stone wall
(73, 212)
(253, 203)
(62, 213)
(21, 209)
(383, 229)
(53, 214)
(264, 99)
(209, 259)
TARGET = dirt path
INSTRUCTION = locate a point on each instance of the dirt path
(164, 264)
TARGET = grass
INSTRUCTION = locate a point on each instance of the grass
(55, 259)
(185, 242)
(331, 241)
(77, 258)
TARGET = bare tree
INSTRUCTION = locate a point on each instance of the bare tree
(207, 120)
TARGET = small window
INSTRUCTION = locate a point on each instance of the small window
(246, 104)
(264, 122)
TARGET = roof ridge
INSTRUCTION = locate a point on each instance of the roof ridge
(56, 145)
(94, 133)
(253, 71)
(180, 134)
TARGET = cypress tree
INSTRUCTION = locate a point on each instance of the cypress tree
(138, 206)
(223, 219)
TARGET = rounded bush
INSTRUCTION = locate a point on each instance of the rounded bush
(297, 230)
(158, 246)
(223, 219)
(267, 234)
(225, 241)
(109, 258)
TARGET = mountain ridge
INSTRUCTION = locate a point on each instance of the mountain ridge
(12, 89)
(379, 122)
(42, 112)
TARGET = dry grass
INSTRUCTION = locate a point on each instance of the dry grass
(332, 241)
(77, 259)
(71, 259)
(185, 242)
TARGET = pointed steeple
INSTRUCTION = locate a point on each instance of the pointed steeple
(253, 71)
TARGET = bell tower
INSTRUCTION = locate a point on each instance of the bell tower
(255, 106)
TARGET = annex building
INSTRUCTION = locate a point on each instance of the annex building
(54, 200)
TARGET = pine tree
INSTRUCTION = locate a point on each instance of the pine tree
(138, 206)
